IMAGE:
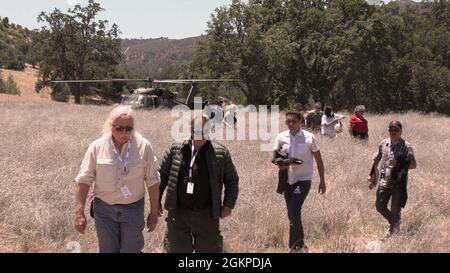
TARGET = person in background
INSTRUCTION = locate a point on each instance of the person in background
(231, 114)
(222, 102)
(120, 164)
(195, 172)
(358, 125)
(397, 158)
(299, 108)
(329, 122)
(314, 118)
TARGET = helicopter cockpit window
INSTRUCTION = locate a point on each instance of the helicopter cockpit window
(133, 100)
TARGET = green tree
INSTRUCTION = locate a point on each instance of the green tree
(9, 86)
(342, 52)
(76, 46)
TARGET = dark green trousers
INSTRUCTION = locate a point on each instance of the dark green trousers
(192, 230)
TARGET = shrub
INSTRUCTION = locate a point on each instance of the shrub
(84, 99)
(61, 92)
(39, 85)
(9, 87)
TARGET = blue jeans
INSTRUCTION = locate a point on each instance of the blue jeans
(295, 195)
(119, 227)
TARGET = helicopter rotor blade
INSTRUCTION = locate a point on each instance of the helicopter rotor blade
(180, 81)
(180, 102)
(100, 81)
(192, 81)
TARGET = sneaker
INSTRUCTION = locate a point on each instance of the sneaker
(303, 249)
(394, 229)
(388, 234)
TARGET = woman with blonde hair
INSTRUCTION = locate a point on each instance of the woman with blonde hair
(120, 165)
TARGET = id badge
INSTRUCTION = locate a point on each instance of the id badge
(125, 192)
(190, 188)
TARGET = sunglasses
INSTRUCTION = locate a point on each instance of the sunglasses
(394, 130)
(288, 121)
(119, 128)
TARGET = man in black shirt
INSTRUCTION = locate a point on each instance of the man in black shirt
(201, 197)
(194, 173)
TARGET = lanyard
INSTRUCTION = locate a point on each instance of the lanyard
(193, 156)
(119, 157)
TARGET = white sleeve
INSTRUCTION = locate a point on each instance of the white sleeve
(324, 120)
(314, 145)
(276, 145)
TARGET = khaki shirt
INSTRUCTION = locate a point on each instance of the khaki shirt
(101, 165)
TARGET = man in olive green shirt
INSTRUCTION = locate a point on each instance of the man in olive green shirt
(314, 118)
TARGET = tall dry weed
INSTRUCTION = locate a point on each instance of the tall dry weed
(43, 145)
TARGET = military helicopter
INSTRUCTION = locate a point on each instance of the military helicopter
(156, 96)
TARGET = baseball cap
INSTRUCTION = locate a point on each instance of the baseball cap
(395, 124)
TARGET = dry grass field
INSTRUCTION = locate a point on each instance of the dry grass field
(43, 145)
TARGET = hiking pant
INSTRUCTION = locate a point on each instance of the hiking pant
(393, 215)
(119, 227)
(295, 195)
(192, 230)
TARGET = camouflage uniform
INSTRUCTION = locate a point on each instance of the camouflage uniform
(314, 121)
(395, 187)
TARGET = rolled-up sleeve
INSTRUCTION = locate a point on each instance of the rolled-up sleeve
(411, 155)
(276, 145)
(379, 154)
(314, 145)
(87, 169)
(152, 176)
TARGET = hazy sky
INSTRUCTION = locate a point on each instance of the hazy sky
(136, 18)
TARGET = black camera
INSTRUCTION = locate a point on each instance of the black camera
(282, 159)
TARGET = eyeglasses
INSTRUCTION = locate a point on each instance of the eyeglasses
(289, 121)
(119, 128)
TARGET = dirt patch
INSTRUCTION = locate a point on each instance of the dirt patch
(26, 81)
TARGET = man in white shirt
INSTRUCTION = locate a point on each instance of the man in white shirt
(299, 144)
